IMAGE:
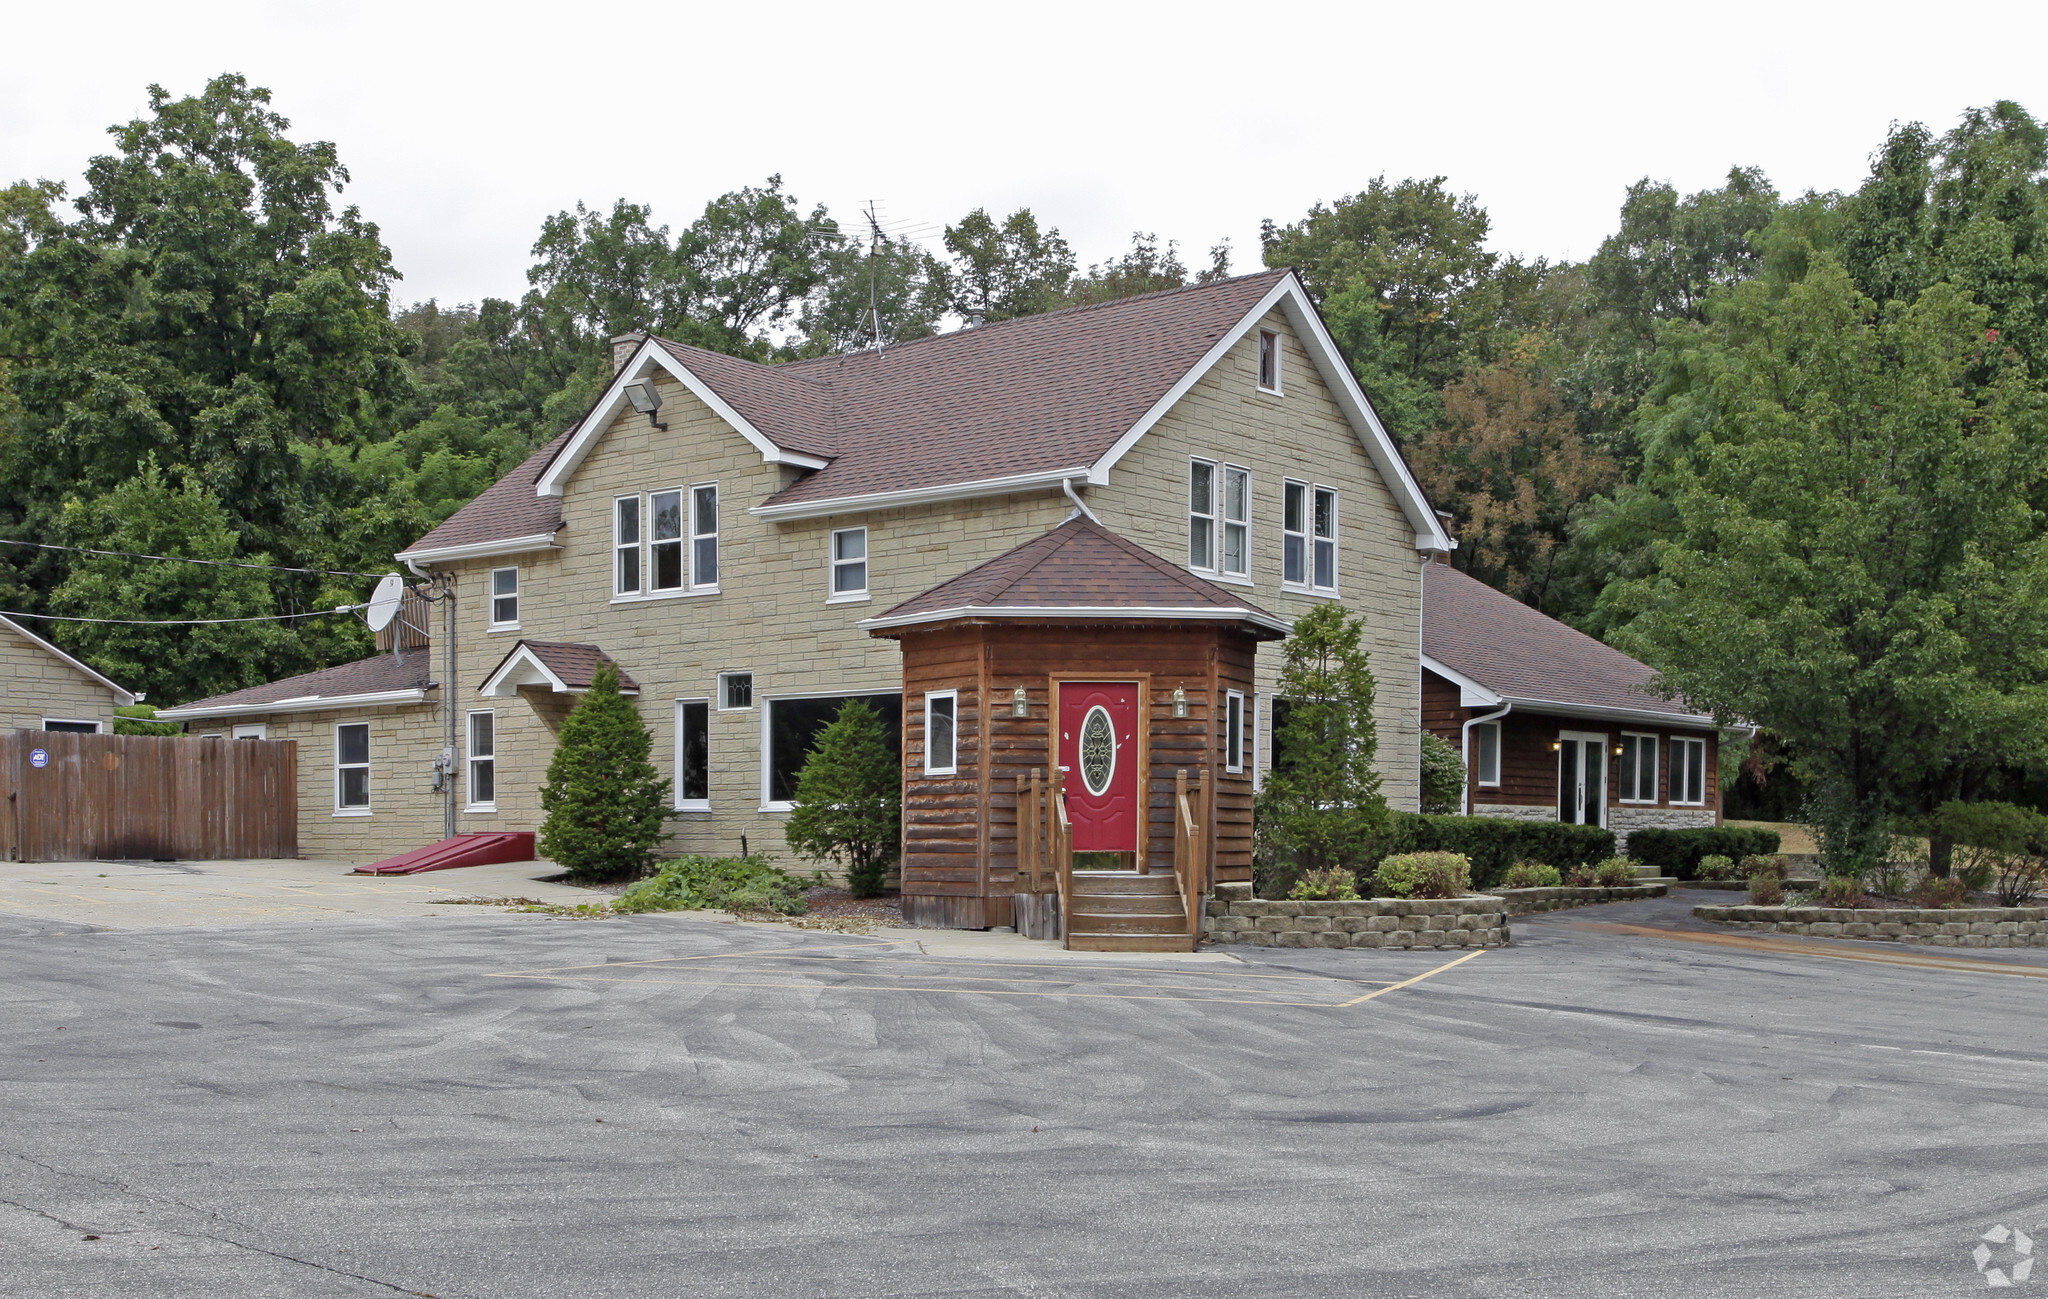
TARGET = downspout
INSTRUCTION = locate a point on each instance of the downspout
(1067, 486)
(1465, 755)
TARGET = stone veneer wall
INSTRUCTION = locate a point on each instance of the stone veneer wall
(1962, 927)
(1516, 811)
(1522, 902)
(1622, 818)
(1473, 921)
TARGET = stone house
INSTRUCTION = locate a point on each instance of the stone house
(1553, 724)
(721, 530)
(44, 689)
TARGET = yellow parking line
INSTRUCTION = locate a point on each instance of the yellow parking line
(1417, 979)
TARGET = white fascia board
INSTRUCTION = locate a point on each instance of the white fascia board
(1608, 713)
(122, 695)
(1199, 613)
(299, 704)
(480, 549)
(500, 687)
(653, 356)
(920, 495)
(1470, 693)
(1292, 299)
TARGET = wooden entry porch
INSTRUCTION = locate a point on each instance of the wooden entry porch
(1105, 910)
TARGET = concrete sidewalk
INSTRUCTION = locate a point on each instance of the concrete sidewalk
(158, 895)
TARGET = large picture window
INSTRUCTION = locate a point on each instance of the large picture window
(1486, 752)
(1638, 768)
(693, 755)
(1689, 771)
(352, 768)
(1201, 515)
(790, 728)
(942, 733)
(483, 761)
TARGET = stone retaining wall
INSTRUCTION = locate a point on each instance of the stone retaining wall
(1963, 927)
(1524, 901)
(1475, 921)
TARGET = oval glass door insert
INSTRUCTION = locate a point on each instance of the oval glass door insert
(1098, 750)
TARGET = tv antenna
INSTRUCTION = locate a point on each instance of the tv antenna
(875, 237)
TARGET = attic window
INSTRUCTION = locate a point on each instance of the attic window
(1269, 362)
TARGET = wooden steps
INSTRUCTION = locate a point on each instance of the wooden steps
(1123, 911)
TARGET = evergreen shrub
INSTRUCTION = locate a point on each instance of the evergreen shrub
(1678, 852)
(1531, 875)
(1614, 873)
(1492, 843)
(603, 806)
(849, 800)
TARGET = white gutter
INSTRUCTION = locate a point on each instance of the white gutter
(1203, 613)
(1605, 713)
(919, 495)
(300, 704)
(1465, 755)
(478, 550)
(1067, 486)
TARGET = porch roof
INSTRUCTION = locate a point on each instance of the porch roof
(1078, 572)
(379, 680)
(564, 666)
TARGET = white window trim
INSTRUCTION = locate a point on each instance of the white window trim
(681, 541)
(1307, 535)
(1279, 353)
(259, 731)
(765, 704)
(1224, 522)
(690, 587)
(691, 536)
(1656, 768)
(1677, 741)
(98, 727)
(1214, 515)
(832, 561)
(469, 760)
(1600, 740)
(749, 707)
(1336, 534)
(694, 804)
(639, 546)
(1234, 760)
(492, 597)
(931, 697)
(369, 768)
(1258, 770)
(1478, 776)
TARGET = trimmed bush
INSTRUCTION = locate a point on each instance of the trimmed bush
(1614, 873)
(1580, 876)
(1492, 843)
(1678, 852)
(1761, 864)
(1423, 875)
(1714, 866)
(1766, 890)
(1333, 885)
(1531, 875)
(715, 883)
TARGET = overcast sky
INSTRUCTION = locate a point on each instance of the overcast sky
(464, 125)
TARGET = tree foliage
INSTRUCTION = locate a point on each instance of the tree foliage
(603, 806)
(849, 800)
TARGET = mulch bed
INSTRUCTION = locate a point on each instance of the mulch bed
(838, 904)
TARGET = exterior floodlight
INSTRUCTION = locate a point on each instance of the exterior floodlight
(645, 400)
(1557, 746)
(1020, 703)
(1180, 702)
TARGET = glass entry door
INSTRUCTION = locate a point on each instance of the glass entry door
(1582, 778)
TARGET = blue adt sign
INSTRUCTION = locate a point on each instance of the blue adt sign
(38, 757)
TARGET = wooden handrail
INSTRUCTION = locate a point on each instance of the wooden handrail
(1062, 852)
(1187, 852)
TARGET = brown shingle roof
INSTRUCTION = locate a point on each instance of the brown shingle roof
(1522, 654)
(377, 674)
(1079, 566)
(508, 508)
(573, 664)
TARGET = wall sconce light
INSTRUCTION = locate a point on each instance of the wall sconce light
(1180, 702)
(1617, 750)
(1556, 745)
(1020, 703)
(645, 400)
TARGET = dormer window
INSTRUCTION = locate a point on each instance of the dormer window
(1269, 362)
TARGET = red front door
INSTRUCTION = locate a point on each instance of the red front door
(1099, 752)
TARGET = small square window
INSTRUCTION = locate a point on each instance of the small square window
(505, 597)
(849, 563)
(1269, 361)
(735, 690)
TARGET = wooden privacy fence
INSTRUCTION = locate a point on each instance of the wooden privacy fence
(146, 797)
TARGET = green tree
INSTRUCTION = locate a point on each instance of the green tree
(140, 719)
(1443, 775)
(1859, 562)
(890, 279)
(603, 806)
(1144, 268)
(1321, 802)
(849, 800)
(1002, 271)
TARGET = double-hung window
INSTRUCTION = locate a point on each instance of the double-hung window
(1324, 539)
(1638, 768)
(665, 545)
(1233, 731)
(1269, 362)
(942, 733)
(849, 564)
(1294, 534)
(352, 769)
(626, 545)
(483, 761)
(1202, 515)
(693, 755)
(504, 599)
(1688, 771)
(1486, 752)
(704, 537)
(1237, 521)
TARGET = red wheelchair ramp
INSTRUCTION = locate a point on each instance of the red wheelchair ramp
(462, 850)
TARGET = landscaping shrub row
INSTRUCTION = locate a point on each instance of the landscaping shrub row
(1678, 852)
(1493, 843)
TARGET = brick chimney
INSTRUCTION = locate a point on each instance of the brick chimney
(623, 347)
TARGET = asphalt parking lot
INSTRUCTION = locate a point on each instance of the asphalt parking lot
(495, 1105)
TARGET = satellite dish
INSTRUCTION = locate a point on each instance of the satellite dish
(383, 605)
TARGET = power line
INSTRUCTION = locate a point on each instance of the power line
(180, 622)
(180, 559)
